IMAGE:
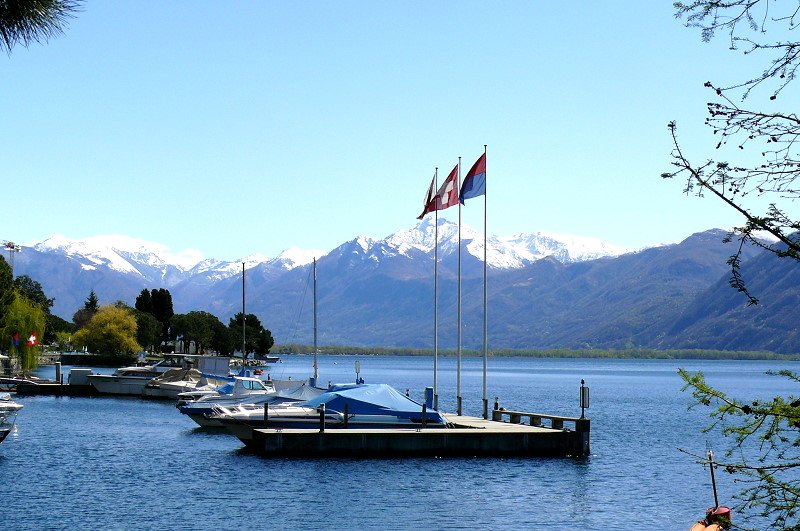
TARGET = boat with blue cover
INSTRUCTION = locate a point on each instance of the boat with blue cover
(346, 406)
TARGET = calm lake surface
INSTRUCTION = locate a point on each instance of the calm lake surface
(124, 463)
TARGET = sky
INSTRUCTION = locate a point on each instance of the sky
(240, 128)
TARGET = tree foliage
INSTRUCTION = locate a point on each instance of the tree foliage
(55, 325)
(258, 340)
(27, 21)
(23, 319)
(766, 453)
(205, 330)
(91, 304)
(148, 331)
(765, 163)
(83, 315)
(34, 292)
(6, 289)
(111, 331)
(144, 302)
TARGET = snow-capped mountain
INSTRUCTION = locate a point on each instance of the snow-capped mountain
(155, 262)
(509, 252)
(379, 292)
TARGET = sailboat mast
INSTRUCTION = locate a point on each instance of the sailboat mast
(244, 320)
(315, 320)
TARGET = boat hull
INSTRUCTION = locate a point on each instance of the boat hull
(118, 385)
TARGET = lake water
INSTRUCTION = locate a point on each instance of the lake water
(125, 463)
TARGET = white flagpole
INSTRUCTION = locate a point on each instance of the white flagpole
(458, 368)
(485, 306)
(436, 300)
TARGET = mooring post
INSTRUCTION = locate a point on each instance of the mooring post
(346, 411)
(322, 418)
(59, 379)
(424, 420)
(266, 412)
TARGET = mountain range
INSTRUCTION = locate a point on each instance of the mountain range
(546, 290)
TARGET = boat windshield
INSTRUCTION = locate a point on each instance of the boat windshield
(253, 385)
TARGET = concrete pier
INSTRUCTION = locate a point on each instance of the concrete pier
(469, 436)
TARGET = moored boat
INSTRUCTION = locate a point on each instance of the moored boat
(345, 406)
(8, 414)
(131, 380)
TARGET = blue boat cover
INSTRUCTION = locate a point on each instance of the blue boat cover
(299, 393)
(373, 399)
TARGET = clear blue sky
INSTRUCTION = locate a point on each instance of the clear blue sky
(242, 127)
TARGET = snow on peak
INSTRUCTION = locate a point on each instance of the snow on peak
(365, 242)
(502, 252)
(295, 257)
(117, 251)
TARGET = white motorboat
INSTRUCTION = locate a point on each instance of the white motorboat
(131, 380)
(240, 389)
(211, 372)
(202, 409)
(176, 381)
(8, 414)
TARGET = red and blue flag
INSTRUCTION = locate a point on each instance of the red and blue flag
(475, 181)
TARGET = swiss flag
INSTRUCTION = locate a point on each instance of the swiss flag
(33, 340)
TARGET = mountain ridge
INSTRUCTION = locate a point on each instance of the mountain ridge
(380, 292)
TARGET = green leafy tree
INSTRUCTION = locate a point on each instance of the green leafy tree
(148, 331)
(764, 164)
(162, 310)
(6, 293)
(765, 453)
(204, 329)
(56, 325)
(82, 317)
(27, 21)
(34, 292)
(63, 340)
(91, 304)
(258, 340)
(23, 320)
(111, 331)
(144, 302)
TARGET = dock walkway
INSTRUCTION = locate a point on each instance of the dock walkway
(469, 436)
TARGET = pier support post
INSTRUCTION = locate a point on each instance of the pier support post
(346, 414)
(266, 413)
(583, 429)
(424, 420)
(322, 418)
(59, 379)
